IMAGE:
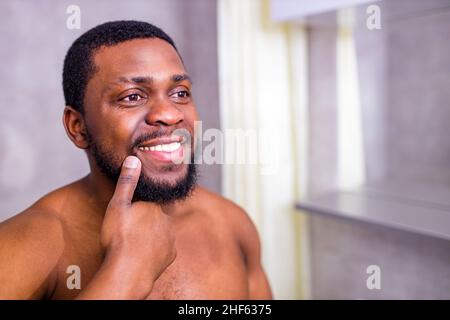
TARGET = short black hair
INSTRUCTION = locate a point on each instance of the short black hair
(78, 63)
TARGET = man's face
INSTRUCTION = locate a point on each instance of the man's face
(139, 95)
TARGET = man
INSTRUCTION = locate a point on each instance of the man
(136, 227)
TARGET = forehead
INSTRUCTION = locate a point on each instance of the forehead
(151, 57)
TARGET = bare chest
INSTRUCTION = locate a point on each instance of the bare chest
(208, 266)
(203, 274)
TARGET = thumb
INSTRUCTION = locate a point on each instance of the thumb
(126, 184)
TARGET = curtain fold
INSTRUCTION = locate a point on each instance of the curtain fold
(263, 90)
(351, 159)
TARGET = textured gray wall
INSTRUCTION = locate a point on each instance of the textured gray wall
(36, 156)
(404, 74)
(418, 96)
(412, 266)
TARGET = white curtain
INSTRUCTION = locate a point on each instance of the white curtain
(351, 164)
(262, 67)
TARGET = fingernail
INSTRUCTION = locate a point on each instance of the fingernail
(131, 162)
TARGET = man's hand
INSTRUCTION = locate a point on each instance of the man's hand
(138, 240)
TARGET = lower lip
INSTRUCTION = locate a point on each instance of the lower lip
(175, 156)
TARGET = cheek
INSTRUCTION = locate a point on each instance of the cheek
(121, 132)
(115, 132)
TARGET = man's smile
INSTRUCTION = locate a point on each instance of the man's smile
(165, 149)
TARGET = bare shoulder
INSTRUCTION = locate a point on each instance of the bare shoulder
(31, 244)
(229, 212)
(36, 222)
(245, 232)
(41, 220)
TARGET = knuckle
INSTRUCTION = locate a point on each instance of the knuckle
(126, 179)
(118, 203)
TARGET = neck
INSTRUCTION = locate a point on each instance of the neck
(100, 191)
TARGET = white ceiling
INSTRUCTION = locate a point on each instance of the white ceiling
(283, 10)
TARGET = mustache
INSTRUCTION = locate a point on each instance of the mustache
(161, 132)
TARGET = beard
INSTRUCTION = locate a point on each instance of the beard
(147, 188)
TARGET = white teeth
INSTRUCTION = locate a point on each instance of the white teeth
(174, 146)
(170, 147)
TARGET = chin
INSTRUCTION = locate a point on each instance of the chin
(169, 174)
(166, 186)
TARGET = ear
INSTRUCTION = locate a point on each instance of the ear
(75, 127)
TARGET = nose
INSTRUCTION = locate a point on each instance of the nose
(163, 112)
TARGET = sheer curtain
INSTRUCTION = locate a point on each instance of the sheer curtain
(263, 79)
(351, 164)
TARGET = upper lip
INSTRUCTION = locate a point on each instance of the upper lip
(163, 140)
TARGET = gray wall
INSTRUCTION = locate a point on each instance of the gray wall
(404, 72)
(36, 156)
(418, 97)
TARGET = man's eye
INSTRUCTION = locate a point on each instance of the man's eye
(182, 94)
(132, 98)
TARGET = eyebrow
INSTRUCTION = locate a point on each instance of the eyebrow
(148, 80)
(181, 77)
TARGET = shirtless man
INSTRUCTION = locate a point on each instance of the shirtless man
(138, 227)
